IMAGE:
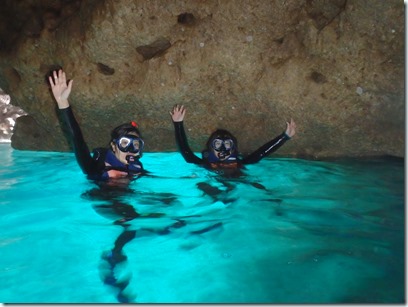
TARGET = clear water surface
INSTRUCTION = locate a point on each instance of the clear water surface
(291, 231)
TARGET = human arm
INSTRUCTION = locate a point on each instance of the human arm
(177, 115)
(61, 91)
(272, 145)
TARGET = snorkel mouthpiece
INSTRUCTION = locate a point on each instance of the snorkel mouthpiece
(131, 159)
(223, 153)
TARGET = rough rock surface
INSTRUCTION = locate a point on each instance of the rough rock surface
(336, 67)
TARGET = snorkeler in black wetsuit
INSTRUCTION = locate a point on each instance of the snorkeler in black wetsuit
(107, 163)
(126, 146)
(221, 153)
(118, 161)
(112, 169)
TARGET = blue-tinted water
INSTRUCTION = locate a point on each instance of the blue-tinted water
(291, 231)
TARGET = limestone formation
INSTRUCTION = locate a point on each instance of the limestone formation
(335, 66)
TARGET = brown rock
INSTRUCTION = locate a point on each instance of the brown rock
(336, 67)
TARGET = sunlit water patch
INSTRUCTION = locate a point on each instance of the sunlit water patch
(291, 231)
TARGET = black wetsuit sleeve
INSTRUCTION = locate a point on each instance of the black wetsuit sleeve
(82, 154)
(266, 149)
(182, 144)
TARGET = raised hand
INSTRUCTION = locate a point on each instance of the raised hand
(290, 128)
(178, 113)
(60, 88)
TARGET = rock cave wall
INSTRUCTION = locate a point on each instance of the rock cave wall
(336, 67)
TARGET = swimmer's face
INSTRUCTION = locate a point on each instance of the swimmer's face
(128, 147)
(222, 147)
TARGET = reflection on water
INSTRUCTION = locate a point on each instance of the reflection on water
(290, 231)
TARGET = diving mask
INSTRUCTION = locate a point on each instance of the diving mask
(130, 143)
(222, 144)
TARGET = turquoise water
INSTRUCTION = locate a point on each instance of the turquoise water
(291, 231)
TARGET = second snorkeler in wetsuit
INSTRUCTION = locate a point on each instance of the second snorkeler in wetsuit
(221, 152)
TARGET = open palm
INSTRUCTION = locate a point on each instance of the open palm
(60, 88)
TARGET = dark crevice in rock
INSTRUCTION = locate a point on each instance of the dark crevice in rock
(187, 19)
(279, 40)
(105, 69)
(155, 49)
(318, 77)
